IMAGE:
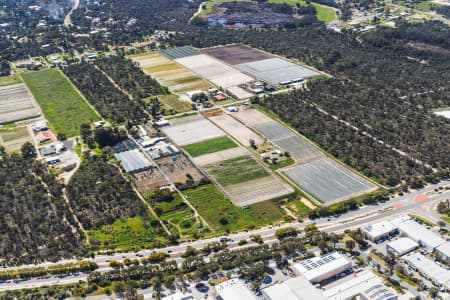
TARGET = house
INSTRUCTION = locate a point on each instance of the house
(44, 136)
(220, 97)
(39, 126)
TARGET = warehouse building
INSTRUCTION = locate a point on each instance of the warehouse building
(379, 231)
(298, 288)
(234, 289)
(318, 269)
(365, 285)
(444, 250)
(417, 232)
(401, 246)
(179, 296)
(133, 161)
(429, 269)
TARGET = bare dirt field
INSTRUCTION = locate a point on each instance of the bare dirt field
(254, 191)
(236, 54)
(149, 181)
(177, 78)
(13, 139)
(237, 130)
(210, 158)
(17, 103)
(214, 71)
(177, 168)
(239, 93)
(252, 117)
(190, 130)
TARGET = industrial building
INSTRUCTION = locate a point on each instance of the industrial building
(179, 296)
(429, 269)
(133, 161)
(365, 285)
(234, 289)
(420, 234)
(378, 231)
(317, 269)
(401, 246)
(298, 288)
(444, 250)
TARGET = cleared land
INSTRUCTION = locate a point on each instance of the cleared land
(214, 71)
(177, 78)
(328, 181)
(210, 158)
(192, 130)
(209, 146)
(236, 54)
(173, 102)
(252, 117)
(276, 70)
(62, 105)
(149, 181)
(177, 168)
(239, 93)
(237, 130)
(13, 138)
(222, 215)
(246, 182)
(16, 103)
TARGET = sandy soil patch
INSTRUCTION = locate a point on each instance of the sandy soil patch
(237, 130)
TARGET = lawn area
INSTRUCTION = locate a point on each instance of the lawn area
(12, 134)
(172, 102)
(222, 215)
(62, 105)
(324, 13)
(208, 6)
(298, 207)
(236, 170)
(128, 234)
(209, 146)
(423, 220)
(446, 219)
(425, 5)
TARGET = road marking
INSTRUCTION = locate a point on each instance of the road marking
(420, 197)
(398, 205)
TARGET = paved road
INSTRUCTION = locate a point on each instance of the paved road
(417, 201)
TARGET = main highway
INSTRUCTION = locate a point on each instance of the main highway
(419, 202)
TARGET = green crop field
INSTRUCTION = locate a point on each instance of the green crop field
(324, 13)
(7, 80)
(210, 146)
(236, 170)
(222, 215)
(62, 105)
(12, 134)
(128, 234)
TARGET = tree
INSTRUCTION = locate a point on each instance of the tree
(350, 244)
(28, 151)
(433, 292)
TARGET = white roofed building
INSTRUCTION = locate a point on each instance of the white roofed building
(379, 230)
(179, 296)
(365, 285)
(234, 289)
(317, 269)
(401, 246)
(298, 288)
(429, 269)
(417, 232)
(444, 250)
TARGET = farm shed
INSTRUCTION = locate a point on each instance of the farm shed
(133, 161)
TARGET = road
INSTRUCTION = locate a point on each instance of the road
(67, 19)
(417, 201)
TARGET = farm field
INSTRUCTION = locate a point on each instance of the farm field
(276, 70)
(62, 105)
(16, 103)
(210, 158)
(236, 54)
(209, 146)
(246, 182)
(179, 52)
(178, 168)
(177, 78)
(173, 102)
(192, 129)
(328, 181)
(13, 138)
(214, 70)
(236, 130)
(298, 147)
(223, 216)
(131, 233)
(148, 181)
